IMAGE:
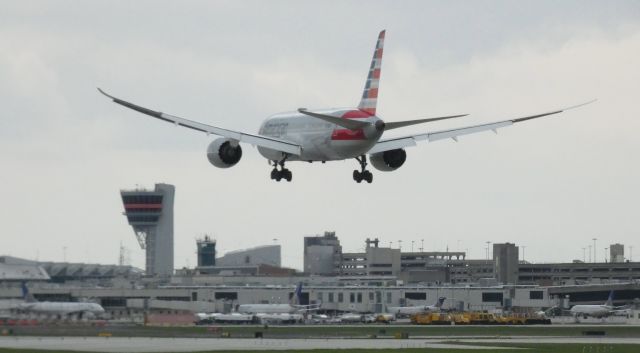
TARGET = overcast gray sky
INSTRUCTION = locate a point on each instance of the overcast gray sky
(550, 184)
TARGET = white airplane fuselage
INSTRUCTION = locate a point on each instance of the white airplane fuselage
(266, 309)
(411, 310)
(591, 310)
(279, 317)
(61, 308)
(321, 140)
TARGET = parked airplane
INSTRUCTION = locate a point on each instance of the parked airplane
(597, 310)
(410, 310)
(279, 308)
(279, 318)
(264, 313)
(59, 309)
(232, 318)
(328, 134)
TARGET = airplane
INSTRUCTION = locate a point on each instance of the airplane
(329, 134)
(278, 308)
(597, 310)
(59, 309)
(411, 310)
(233, 318)
(279, 318)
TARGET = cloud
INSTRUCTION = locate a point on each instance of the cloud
(68, 150)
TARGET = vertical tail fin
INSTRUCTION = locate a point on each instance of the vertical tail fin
(370, 94)
(440, 301)
(299, 293)
(610, 299)
(28, 297)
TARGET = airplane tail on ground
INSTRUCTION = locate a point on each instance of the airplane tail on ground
(610, 299)
(298, 293)
(440, 302)
(370, 94)
(28, 297)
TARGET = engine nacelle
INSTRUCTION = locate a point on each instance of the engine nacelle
(223, 154)
(388, 160)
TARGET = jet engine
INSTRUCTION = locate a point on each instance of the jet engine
(388, 160)
(223, 154)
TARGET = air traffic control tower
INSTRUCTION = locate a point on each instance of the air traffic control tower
(150, 213)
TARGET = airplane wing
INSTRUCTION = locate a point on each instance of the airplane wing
(256, 140)
(409, 141)
(621, 308)
(311, 307)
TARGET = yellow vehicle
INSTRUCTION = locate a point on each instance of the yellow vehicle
(482, 318)
(475, 318)
(461, 318)
(431, 319)
(384, 318)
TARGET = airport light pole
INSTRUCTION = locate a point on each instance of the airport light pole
(523, 247)
(412, 245)
(595, 259)
(400, 245)
(421, 245)
(584, 254)
(488, 249)
(589, 253)
(605, 254)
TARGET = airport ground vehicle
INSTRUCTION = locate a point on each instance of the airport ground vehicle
(477, 318)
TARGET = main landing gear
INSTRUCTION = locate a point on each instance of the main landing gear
(283, 173)
(363, 174)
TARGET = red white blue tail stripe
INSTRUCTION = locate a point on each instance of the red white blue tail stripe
(370, 94)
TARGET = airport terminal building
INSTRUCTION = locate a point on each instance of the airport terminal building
(369, 281)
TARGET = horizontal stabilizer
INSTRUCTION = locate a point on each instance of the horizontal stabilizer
(345, 123)
(398, 124)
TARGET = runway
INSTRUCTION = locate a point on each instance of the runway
(138, 344)
(117, 344)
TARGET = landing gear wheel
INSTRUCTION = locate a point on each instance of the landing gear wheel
(366, 175)
(282, 173)
(363, 174)
(357, 176)
(286, 174)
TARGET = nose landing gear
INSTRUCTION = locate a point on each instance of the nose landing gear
(283, 173)
(363, 174)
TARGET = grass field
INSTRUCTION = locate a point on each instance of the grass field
(430, 331)
(516, 348)
(328, 331)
